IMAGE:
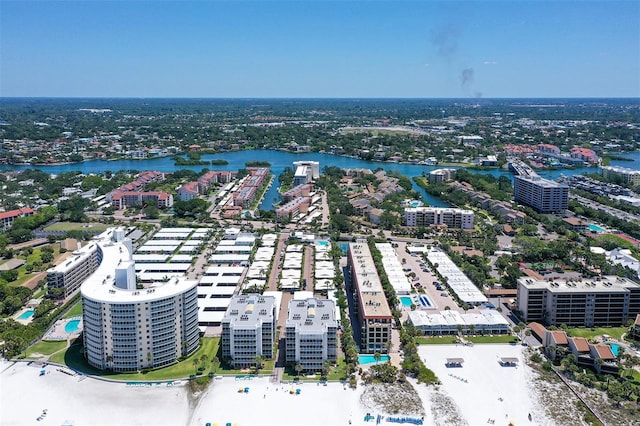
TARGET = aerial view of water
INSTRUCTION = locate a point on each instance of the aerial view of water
(281, 159)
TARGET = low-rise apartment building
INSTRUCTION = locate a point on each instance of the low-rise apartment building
(585, 302)
(248, 329)
(436, 216)
(311, 333)
(7, 218)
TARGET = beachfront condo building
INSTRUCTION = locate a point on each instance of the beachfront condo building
(437, 216)
(371, 305)
(66, 278)
(311, 334)
(248, 329)
(545, 196)
(583, 302)
(128, 328)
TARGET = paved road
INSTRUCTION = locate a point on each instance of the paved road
(272, 285)
(308, 267)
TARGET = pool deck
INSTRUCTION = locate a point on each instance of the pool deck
(23, 321)
(57, 331)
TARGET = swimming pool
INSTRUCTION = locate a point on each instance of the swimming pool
(615, 349)
(344, 247)
(406, 301)
(424, 301)
(596, 228)
(72, 326)
(369, 359)
(415, 204)
(323, 243)
(26, 314)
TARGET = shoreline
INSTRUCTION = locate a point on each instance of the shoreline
(444, 164)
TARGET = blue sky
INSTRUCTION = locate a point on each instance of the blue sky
(269, 48)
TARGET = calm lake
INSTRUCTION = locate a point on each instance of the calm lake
(281, 159)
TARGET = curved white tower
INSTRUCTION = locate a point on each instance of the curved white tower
(129, 329)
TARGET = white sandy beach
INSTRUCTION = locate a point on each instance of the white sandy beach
(24, 394)
(487, 382)
(273, 404)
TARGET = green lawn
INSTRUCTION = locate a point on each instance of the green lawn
(23, 275)
(74, 359)
(77, 226)
(46, 347)
(505, 338)
(590, 333)
(446, 340)
(75, 310)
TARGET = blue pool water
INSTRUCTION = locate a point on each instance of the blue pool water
(615, 348)
(344, 247)
(322, 243)
(72, 326)
(26, 314)
(596, 228)
(406, 301)
(415, 204)
(369, 359)
(424, 301)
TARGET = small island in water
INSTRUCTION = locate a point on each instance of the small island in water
(257, 163)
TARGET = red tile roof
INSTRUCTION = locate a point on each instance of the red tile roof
(538, 329)
(559, 337)
(581, 344)
(26, 211)
(604, 351)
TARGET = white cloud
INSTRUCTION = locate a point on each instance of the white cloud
(490, 63)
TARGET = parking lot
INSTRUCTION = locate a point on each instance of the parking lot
(440, 299)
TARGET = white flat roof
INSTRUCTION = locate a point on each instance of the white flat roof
(209, 316)
(289, 282)
(182, 258)
(159, 258)
(224, 270)
(456, 279)
(393, 269)
(171, 236)
(100, 286)
(325, 265)
(232, 249)
(324, 284)
(161, 267)
(229, 258)
(163, 243)
(157, 249)
(291, 273)
(150, 277)
(217, 290)
(188, 249)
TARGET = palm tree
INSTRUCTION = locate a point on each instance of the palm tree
(299, 369)
(326, 368)
(203, 359)
(388, 346)
(377, 357)
(259, 360)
